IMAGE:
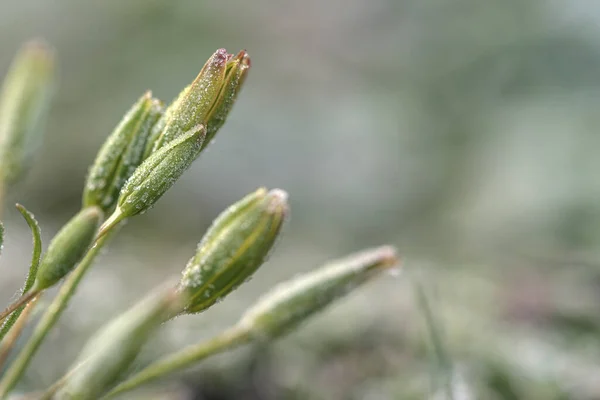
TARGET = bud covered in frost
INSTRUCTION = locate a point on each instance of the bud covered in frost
(115, 347)
(206, 101)
(24, 104)
(68, 247)
(153, 177)
(121, 153)
(290, 303)
(234, 247)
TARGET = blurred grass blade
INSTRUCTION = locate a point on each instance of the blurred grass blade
(24, 104)
(31, 275)
(234, 247)
(443, 369)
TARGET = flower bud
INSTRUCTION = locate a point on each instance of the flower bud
(208, 99)
(111, 351)
(153, 177)
(234, 247)
(292, 302)
(68, 247)
(121, 153)
(24, 103)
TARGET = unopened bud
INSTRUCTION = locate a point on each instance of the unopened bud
(24, 104)
(234, 247)
(207, 100)
(121, 153)
(68, 247)
(153, 177)
(292, 302)
(115, 347)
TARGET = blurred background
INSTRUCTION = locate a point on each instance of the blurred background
(465, 132)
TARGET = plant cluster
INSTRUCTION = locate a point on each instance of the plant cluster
(148, 150)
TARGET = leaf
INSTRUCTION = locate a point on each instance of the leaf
(35, 262)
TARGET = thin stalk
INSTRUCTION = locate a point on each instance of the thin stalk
(21, 301)
(50, 317)
(231, 338)
(439, 350)
(7, 344)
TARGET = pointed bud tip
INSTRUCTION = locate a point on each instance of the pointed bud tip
(221, 56)
(244, 58)
(278, 200)
(388, 255)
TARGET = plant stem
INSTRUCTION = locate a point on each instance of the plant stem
(7, 345)
(50, 317)
(231, 338)
(48, 394)
(24, 299)
(439, 350)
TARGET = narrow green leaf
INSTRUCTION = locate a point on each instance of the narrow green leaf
(31, 275)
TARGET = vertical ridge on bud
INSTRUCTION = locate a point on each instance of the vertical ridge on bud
(155, 175)
(234, 247)
(207, 100)
(290, 303)
(195, 101)
(24, 103)
(121, 153)
(68, 247)
(235, 75)
(111, 351)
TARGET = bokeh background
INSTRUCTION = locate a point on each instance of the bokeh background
(465, 132)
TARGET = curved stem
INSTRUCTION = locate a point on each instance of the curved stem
(21, 301)
(50, 317)
(7, 345)
(231, 338)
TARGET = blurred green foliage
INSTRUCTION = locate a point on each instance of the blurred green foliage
(463, 131)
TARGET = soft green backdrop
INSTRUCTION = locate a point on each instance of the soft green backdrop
(465, 132)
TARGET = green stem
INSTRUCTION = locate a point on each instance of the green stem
(50, 318)
(442, 357)
(231, 338)
(20, 302)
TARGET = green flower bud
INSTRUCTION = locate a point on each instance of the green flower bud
(207, 100)
(292, 302)
(68, 247)
(234, 247)
(155, 176)
(24, 103)
(121, 153)
(110, 352)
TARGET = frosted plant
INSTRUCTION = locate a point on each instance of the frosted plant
(149, 149)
